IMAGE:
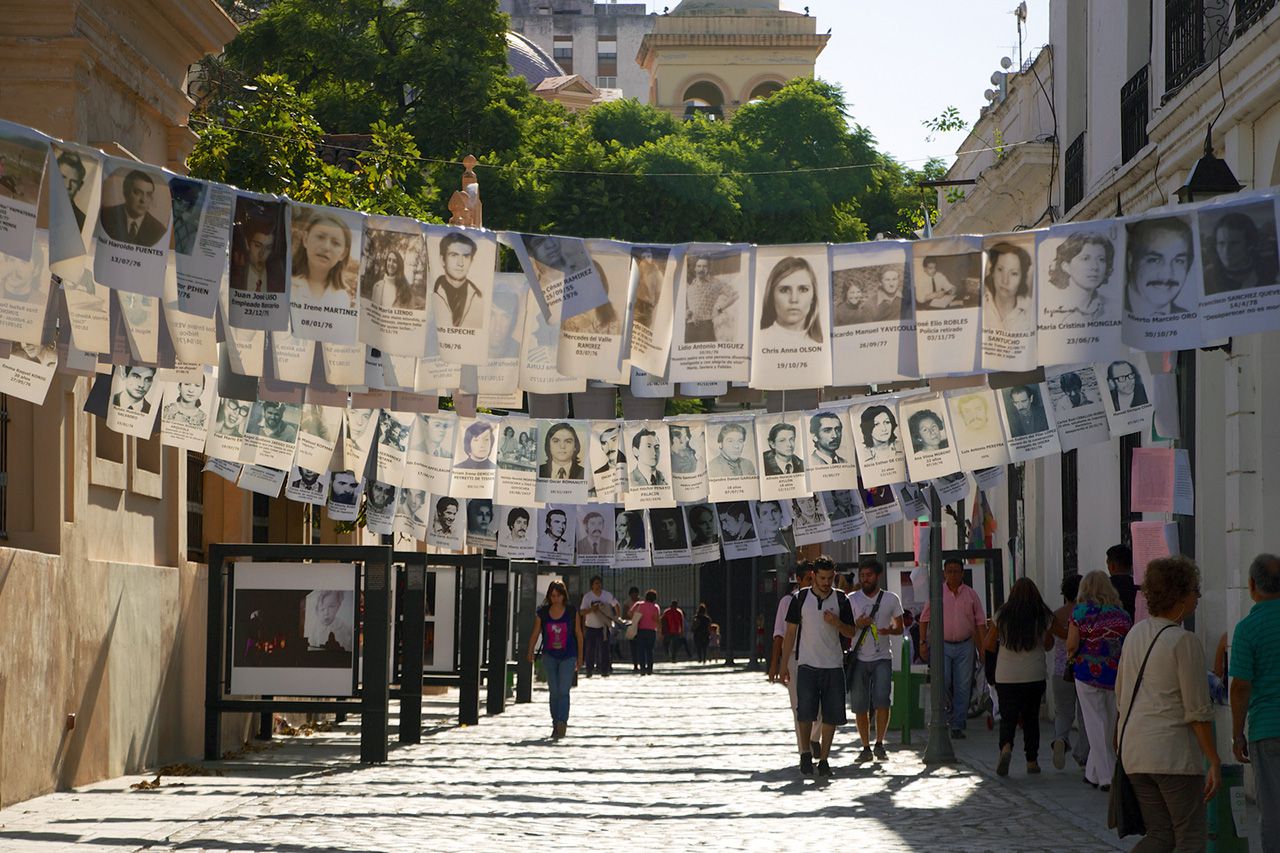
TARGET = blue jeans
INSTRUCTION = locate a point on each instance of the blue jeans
(643, 644)
(559, 672)
(957, 675)
(597, 651)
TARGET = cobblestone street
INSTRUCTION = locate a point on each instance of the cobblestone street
(696, 756)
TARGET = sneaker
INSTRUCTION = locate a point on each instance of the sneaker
(806, 763)
(1059, 754)
(1002, 766)
(880, 752)
(958, 734)
(824, 769)
(864, 756)
(1033, 767)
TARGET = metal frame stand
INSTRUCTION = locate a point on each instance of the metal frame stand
(499, 636)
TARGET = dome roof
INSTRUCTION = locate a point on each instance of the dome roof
(722, 7)
(529, 61)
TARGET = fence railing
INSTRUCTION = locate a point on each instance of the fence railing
(1135, 106)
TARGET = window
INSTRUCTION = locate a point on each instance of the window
(195, 507)
(1134, 104)
(146, 470)
(1073, 174)
(607, 57)
(606, 82)
(562, 52)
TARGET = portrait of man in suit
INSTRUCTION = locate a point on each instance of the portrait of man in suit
(780, 458)
(645, 451)
(563, 448)
(71, 168)
(132, 222)
(252, 269)
(136, 385)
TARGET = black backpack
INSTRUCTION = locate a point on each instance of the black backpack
(845, 608)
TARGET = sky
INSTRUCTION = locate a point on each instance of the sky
(905, 61)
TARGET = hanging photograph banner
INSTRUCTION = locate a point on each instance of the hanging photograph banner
(516, 477)
(631, 539)
(226, 434)
(873, 334)
(1162, 284)
(515, 541)
(184, 414)
(881, 457)
(648, 446)
(132, 237)
(380, 507)
(562, 475)
(411, 517)
(689, 459)
(781, 467)
(345, 491)
(809, 521)
(712, 330)
(462, 292)
(1077, 406)
(773, 527)
(271, 435)
(135, 400)
(24, 153)
(394, 271)
(259, 265)
(474, 460)
(738, 530)
(28, 371)
(194, 338)
(607, 461)
(73, 213)
(930, 450)
(952, 488)
(1127, 393)
(359, 429)
(652, 289)
(1009, 293)
(561, 274)
(591, 342)
(500, 374)
(704, 533)
(911, 499)
(88, 314)
(306, 486)
(325, 267)
(975, 424)
(261, 480)
(670, 537)
(830, 445)
(646, 386)
(790, 341)
(139, 317)
(1081, 270)
(1241, 266)
(844, 508)
(447, 529)
(555, 542)
(880, 506)
(201, 233)
(318, 429)
(988, 478)
(394, 430)
(1029, 422)
(430, 456)
(482, 525)
(24, 293)
(595, 538)
(947, 279)
(538, 373)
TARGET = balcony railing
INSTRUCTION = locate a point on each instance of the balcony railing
(1183, 40)
(1135, 105)
(1249, 12)
(1073, 174)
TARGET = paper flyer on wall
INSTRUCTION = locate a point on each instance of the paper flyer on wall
(380, 507)
(394, 429)
(345, 491)
(988, 478)
(474, 459)
(773, 527)
(135, 400)
(781, 465)
(1076, 398)
(24, 293)
(648, 466)
(271, 435)
(930, 448)
(360, 426)
(201, 234)
(1241, 274)
(607, 461)
(561, 276)
(463, 261)
(1029, 422)
(669, 537)
(830, 453)
(1010, 291)
(325, 265)
(75, 197)
(555, 540)
(259, 267)
(594, 535)
(704, 533)
(975, 424)
(25, 153)
(261, 480)
(538, 373)
(448, 527)
(737, 530)
(689, 459)
(394, 272)
(731, 472)
(1126, 393)
(1163, 284)
(1080, 268)
(790, 345)
(140, 316)
(652, 288)
(482, 524)
(500, 374)
(562, 456)
(132, 235)
(516, 479)
(809, 521)
(318, 431)
(711, 337)
(226, 432)
(184, 412)
(873, 334)
(947, 279)
(631, 539)
(591, 342)
(844, 509)
(28, 371)
(880, 506)
(515, 538)
(430, 458)
(882, 458)
(1160, 481)
(307, 486)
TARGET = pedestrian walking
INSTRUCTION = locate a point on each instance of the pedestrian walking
(560, 630)
(817, 618)
(877, 614)
(702, 631)
(673, 629)
(1255, 692)
(1165, 732)
(777, 663)
(1120, 568)
(1062, 685)
(964, 625)
(1021, 631)
(1099, 624)
(647, 615)
(599, 608)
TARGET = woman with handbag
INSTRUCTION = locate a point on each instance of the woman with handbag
(645, 614)
(560, 629)
(1021, 631)
(1165, 735)
(1099, 624)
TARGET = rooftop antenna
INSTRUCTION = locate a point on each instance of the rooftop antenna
(1020, 14)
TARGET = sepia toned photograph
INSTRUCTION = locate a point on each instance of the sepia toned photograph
(394, 270)
(258, 246)
(134, 209)
(713, 301)
(948, 281)
(872, 294)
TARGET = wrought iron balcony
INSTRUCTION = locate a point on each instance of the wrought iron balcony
(1183, 40)
(1073, 174)
(1249, 12)
(1135, 106)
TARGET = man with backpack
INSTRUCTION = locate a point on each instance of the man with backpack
(777, 663)
(816, 620)
(878, 618)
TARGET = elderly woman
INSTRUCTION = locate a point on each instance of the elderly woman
(1165, 733)
(1099, 624)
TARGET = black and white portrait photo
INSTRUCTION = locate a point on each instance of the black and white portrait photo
(476, 447)
(187, 197)
(1082, 278)
(518, 446)
(411, 508)
(1239, 247)
(1077, 403)
(629, 530)
(827, 440)
(258, 250)
(133, 211)
(561, 453)
(1008, 297)
(555, 541)
(648, 453)
(515, 537)
(184, 415)
(773, 528)
(779, 456)
(324, 269)
(733, 451)
(482, 530)
(307, 486)
(459, 301)
(1025, 409)
(80, 173)
(133, 389)
(870, 294)
(790, 344)
(394, 270)
(648, 268)
(595, 536)
(1125, 386)
(276, 421)
(393, 434)
(703, 529)
(667, 526)
(713, 301)
(433, 435)
(233, 417)
(1160, 268)
(791, 310)
(928, 431)
(1075, 391)
(948, 281)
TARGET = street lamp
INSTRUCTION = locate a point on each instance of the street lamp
(1209, 177)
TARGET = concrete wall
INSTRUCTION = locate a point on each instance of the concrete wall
(586, 27)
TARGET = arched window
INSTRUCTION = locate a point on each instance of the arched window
(763, 90)
(704, 98)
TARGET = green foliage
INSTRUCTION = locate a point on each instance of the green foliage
(945, 122)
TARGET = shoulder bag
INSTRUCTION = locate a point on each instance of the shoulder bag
(1124, 815)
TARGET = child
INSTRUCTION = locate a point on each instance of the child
(713, 641)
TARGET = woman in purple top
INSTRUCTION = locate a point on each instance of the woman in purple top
(1099, 624)
(561, 631)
